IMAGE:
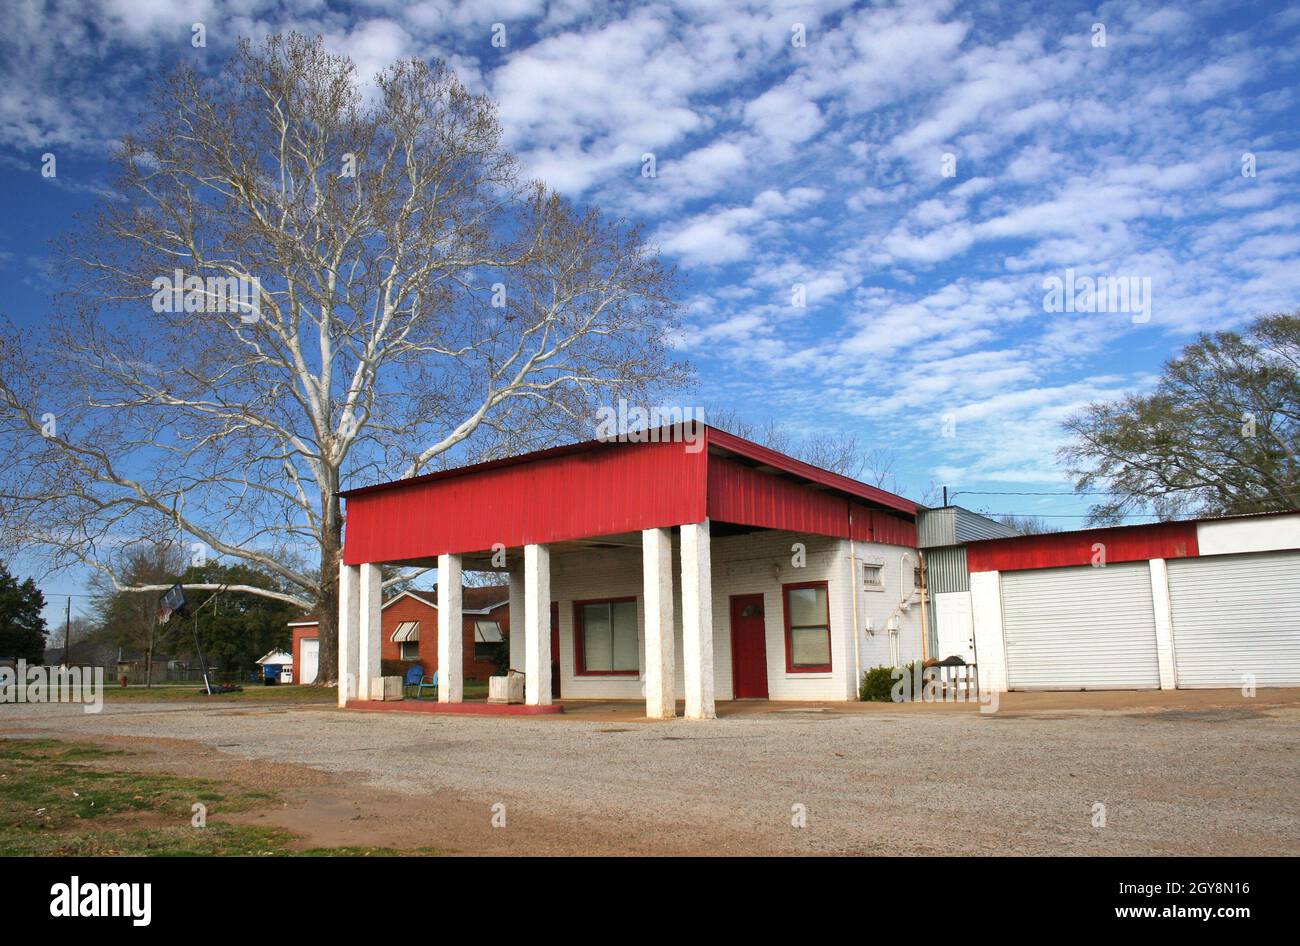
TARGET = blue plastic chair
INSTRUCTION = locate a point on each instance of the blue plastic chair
(413, 677)
(427, 683)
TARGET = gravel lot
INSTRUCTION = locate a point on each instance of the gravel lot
(1200, 780)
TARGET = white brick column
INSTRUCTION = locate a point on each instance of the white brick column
(990, 639)
(697, 621)
(657, 566)
(370, 629)
(537, 625)
(1164, 615)
(349, 631)
(451, 632)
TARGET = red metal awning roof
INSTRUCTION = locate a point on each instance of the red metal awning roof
(607, 487)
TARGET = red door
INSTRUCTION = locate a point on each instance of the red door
(555, 650)
(748, 647)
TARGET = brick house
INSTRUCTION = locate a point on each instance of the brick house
(409, 624)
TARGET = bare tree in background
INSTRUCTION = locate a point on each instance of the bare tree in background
(414, 304)
(836, 452)
(129, 619)
(1025, 525)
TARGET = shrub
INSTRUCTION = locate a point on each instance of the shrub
(876, 685)
(502, 657)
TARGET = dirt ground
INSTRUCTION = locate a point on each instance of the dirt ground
(1185, 772)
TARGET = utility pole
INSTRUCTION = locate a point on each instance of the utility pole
(67, 634)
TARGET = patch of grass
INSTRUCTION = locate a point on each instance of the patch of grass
(251, 693)
(49, 785)
(216, 840)
(61, 799)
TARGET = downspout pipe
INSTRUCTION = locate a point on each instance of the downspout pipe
(853, 585)
(925, 606)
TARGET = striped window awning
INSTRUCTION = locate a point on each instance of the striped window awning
(407, 632)
(487, 632)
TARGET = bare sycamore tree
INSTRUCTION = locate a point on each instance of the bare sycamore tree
(301, 284)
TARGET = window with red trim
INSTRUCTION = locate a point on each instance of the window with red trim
(605, 637)
(807, 627)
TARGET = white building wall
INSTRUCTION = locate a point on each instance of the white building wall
(761, 564)
(747, 564)
(897, 600)
(1252, 534)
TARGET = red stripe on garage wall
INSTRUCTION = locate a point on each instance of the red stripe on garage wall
(1054, 550)
(619, 487)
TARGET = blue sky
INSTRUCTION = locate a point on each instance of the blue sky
(822, 166)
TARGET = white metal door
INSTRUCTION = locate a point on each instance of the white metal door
(1080, 628)
(954, 626)
(1234, 616)
(310, 654)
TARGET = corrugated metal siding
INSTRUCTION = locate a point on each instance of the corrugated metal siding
(953, 525)
(621, 488)
(971, 526)
(946, 570)
(1080, 628)
(769, 457)
(883, 527)
(1057, 549)
(936, 527)
(573, 494)
(746, 496)
(1235, 615)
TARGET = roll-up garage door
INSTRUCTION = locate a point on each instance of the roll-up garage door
(1236, 615)
(1080, 628)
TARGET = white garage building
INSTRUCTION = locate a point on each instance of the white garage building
(1207, 603)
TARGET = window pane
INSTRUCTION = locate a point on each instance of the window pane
(810, 646)
(597, 651)
(808, 607)
(626, 651)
